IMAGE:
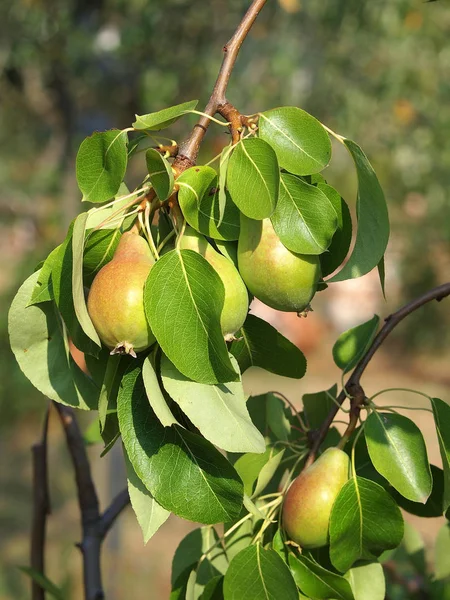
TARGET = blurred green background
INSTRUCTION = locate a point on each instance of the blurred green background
(375, 71)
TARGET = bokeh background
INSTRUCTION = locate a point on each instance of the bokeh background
(375, 71)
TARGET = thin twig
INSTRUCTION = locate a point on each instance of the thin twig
(119, 503)
(438, 293)
(41, 509)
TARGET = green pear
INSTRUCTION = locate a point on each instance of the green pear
(235, 306)
(116, 298)
(278, 277)
(310, 498)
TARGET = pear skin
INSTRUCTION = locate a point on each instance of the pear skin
(235, 306)
(278, 277)
(310, 498)
(116, 298)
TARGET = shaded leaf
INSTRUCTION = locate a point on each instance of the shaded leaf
(367, 581)
(351, 345)
(160, 173)
(340, 244)
(99, 249)
(441, 413)
(43, 291)
(45, 583)
(155, 395)
(156, 121)
(317, 582)
(318, 405)
(442, 553)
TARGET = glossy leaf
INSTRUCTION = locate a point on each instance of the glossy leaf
(354, 343)
(150, 515)
(207, 405)
(260, 345)
(253, 178)
(304, 219)
(43, 291)
(340, 244)
(367, 581)
(364, 522)
(101, 164)
(397, 451)
(183, 472)
(317, 582)
(160, 173)
(184, 298)
(318, 405)
(442, 553)
(202, 206)
(299, 140)
(441, 413)
(161, 119)
(373, 220)
(38, 343)
(433, 506)
(155, 395)
(259, 574)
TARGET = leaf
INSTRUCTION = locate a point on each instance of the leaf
(160, 173)
(250, 466)
(397, 451)
(268, 471)
(317, 406)
(253, 178)
(38, 343)
(45, 583)
(304, 219)
(340, 244)
(213, 589)
(367, 581)
(101, 164)
(200, 201)
(351, 345)
(299, 140)
(364, 522)
(107, 216)
(99, 249)
(259, 574)
(183, 472)
(317, 582)
(155, 395)
(43, 291)
(415, 548)
(223, 170)
(207, 405)
(433, 506)
(441, 413)
(149, 513)
(276, 417)
(373, 220)
(184, 298)
(79, 302)
(108, 392)
(163, 118)
(259, 344)
(442, 553)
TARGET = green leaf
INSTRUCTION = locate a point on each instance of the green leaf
(163, 118)
(203, 205)
(276, 417)
(373, 220)
(108, 392)
(38, 343)
(183, 472)
(99, 249)
(340, 244)
(260, 345)
(101, 164)
(317, 582)
(351, 345)
(111, 216)
(155, 395)
(213, 589)
(43, 291)
(318, 405)
(364, 522)
(259, 574)
(397, 451)
(367, 581)
(253, 178)
(251, 466)
(184, 298)
(149, 513)
(299, 140)
(415, 548)
(441, 413)
(223, 170)
(44, 582)
(207, 405)
(304, 219)
(268, 471)
(79, 302)
(160, 173)
(442, 553)
(433, 506)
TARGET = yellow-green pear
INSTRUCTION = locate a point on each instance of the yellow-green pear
(278, 277)
(116, 298)
(235, 305)
(310, 498)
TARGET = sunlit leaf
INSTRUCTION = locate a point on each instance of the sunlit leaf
(163, 118)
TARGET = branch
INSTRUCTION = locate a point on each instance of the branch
(41, 509)
(188, 151)
(107, 520)
(438, 293)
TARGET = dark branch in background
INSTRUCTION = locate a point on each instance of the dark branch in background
(187, 154)
(353, 385)
(94, 525)
(41, 509)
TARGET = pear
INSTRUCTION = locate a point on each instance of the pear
(235, 306)
(278, 277)
(310, 498)
(116, 298)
